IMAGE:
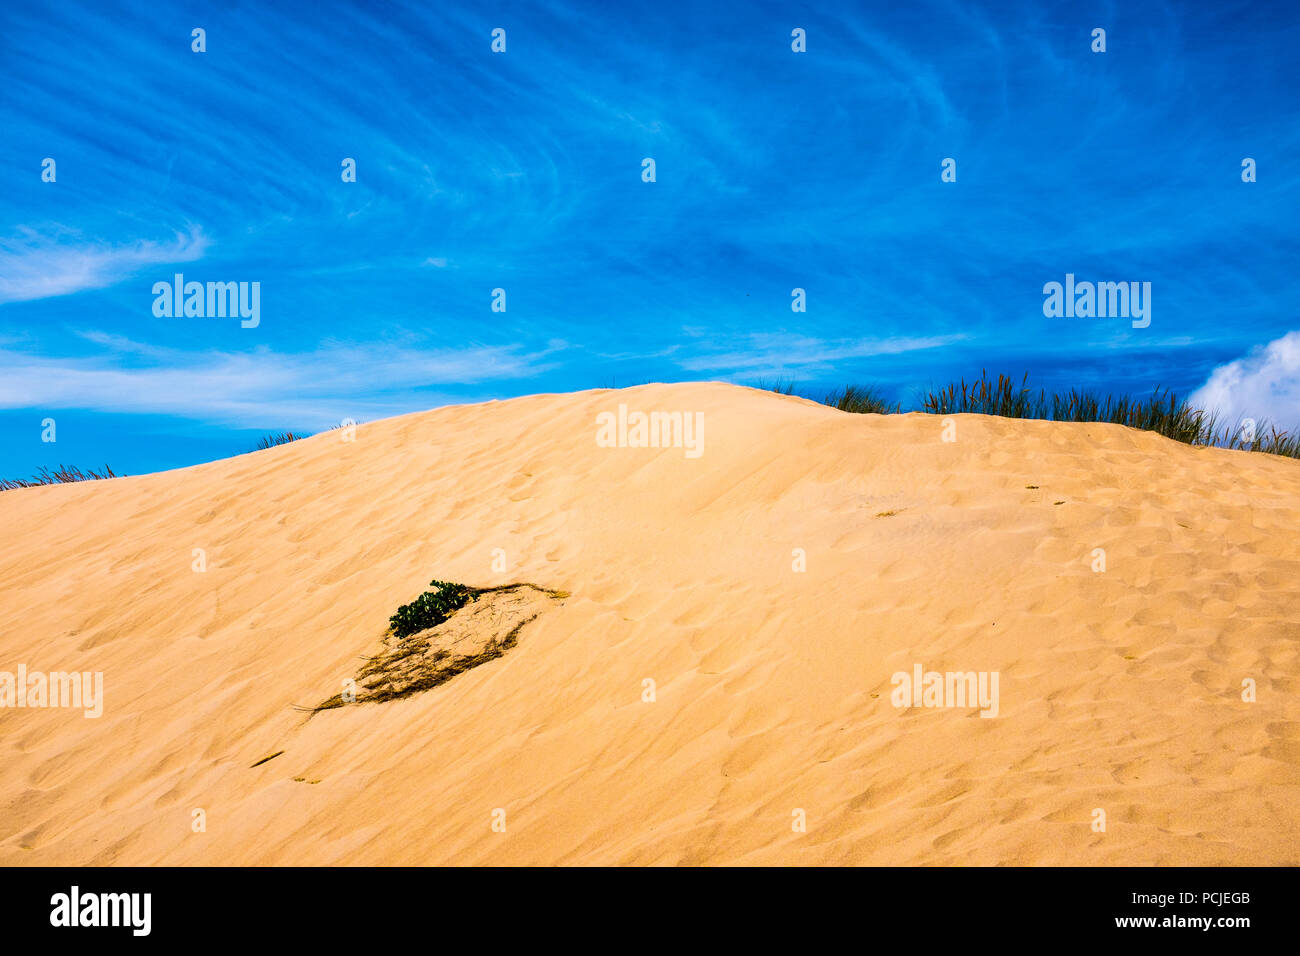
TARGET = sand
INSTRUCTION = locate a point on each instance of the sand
(1120, 690)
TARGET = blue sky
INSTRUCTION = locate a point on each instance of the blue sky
(522, 171)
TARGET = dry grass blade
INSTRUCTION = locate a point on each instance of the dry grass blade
(61, 475)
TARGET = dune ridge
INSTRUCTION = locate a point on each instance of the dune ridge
(1120, 690)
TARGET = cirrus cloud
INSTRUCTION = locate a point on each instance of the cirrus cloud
(249, 389)
(36, 265)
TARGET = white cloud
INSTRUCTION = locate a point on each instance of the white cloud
(254, 389)
(1265, 385)
(36, 266)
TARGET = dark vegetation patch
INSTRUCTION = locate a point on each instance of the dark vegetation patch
(278, 438)
(443, 633)
(430, 609)
(271, 439)
(861, 400)
(59, 476)
(1162, 412)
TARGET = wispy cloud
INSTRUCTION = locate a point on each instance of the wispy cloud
(260, 388)
(39, 265)
(775, 170)
(782, 352)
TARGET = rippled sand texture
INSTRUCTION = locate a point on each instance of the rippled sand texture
(1119, 690)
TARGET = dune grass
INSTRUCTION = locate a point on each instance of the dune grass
(271, 439)
(861, 400)
(1162, 412)
(278, 438)
(61, 475)
(781, 386)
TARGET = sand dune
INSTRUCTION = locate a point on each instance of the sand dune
(1119, 690)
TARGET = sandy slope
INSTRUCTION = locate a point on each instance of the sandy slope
(1119, 690)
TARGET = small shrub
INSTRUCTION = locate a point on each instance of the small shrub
(431, 608)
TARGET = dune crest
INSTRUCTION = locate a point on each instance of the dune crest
(721, 668)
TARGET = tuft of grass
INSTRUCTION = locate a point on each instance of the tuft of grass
(862, 400)
(1163, 412)
(1268, 439)
(278, 438)
(987, 397)
(780, 385)
(61, 475)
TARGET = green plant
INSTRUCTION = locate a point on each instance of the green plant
(413, 658)
(987, 397)
(1268, 438)
(1164, 413)
(431, 608)
(861, 399)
